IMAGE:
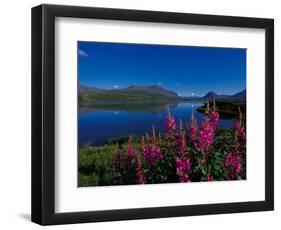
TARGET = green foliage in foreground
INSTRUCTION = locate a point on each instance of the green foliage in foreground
(97, 164)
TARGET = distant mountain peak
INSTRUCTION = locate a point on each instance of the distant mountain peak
(85, 89)
(153, 89)
(212, 94)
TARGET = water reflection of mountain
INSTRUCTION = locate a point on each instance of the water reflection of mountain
(137, 108)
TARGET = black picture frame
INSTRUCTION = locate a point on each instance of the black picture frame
(43, 114)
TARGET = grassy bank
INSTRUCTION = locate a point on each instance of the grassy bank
(97, 165)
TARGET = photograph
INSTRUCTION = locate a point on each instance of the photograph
(142, 114)
(150, 114)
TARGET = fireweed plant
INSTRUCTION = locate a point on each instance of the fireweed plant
(190, 153)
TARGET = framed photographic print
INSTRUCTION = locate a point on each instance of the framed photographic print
(141, 114)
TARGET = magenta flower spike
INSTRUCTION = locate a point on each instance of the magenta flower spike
(151, 152)
(171, 130)
(206, 136)
(144, 149)
(154, 155)
(232, 164)
(130, 150)
(141, 179)
(214, 118)
(239, 130)
(210, 178)
(183, 169)
(193, 128)
(182, 143)
(170, 124)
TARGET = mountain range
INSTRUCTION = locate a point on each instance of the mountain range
(153, 91)
(239, 95)
(149, 90)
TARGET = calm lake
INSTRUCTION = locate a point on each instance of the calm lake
(95, 127)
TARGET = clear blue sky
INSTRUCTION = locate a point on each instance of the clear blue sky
(183, 69)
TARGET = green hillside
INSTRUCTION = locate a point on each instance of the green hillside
(122, 98)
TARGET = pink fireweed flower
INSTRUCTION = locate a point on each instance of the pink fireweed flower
(214, 119)
(240, 131)
(170, 124)
(210, 178)
(214, 116)
(183, 169)
(141, 179)
(232, 164)
(151, 153)
(193, 128)
(171, 130)
(182, 143)
(154, 154)
(144, 148)
(206, 136)
(130, 149)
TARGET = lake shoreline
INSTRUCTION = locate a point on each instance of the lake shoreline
(226, 109)
(97, 126)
